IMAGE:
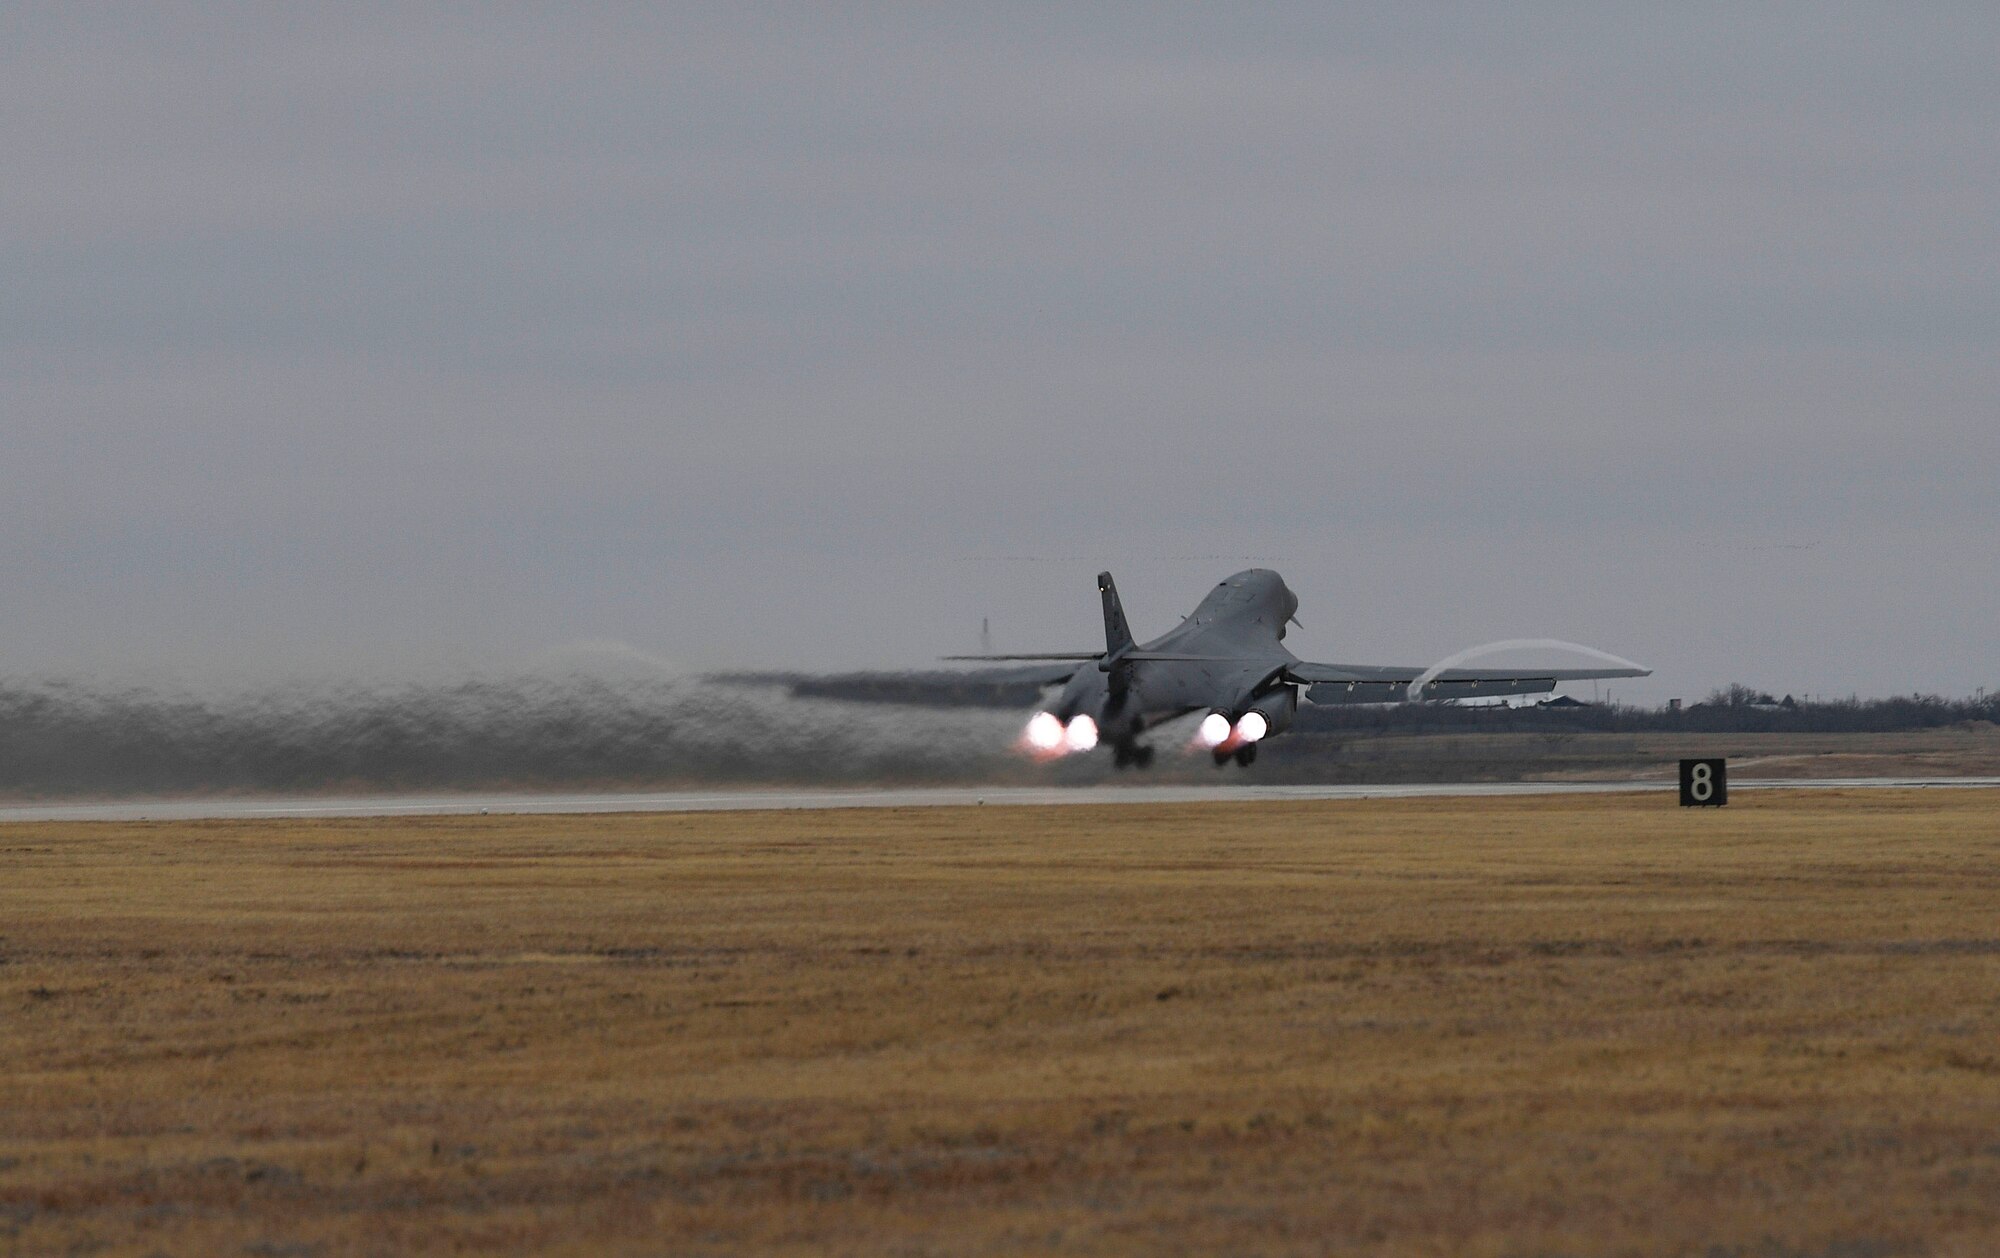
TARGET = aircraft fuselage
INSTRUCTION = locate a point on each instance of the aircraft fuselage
(1234, 658)
(1228, 659)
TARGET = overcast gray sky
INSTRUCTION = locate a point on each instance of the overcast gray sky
(362, 340)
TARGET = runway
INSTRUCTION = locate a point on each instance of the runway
(212, 809)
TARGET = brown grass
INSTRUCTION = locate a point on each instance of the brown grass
(1970, 749)
(1580, 1025)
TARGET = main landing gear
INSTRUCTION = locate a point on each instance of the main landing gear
(1132, 756)
(1246, 755)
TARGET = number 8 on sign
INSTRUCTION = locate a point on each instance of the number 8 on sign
(1704, 783)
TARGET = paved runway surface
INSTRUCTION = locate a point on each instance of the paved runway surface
(932, 797)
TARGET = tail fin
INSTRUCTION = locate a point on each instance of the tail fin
(1117, 634)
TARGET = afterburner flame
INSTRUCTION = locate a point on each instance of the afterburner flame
(1252, 727)
(1082, 733)
(1045, 732)
(1214, 730)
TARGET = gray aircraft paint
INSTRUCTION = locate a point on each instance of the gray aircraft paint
(1228, 656)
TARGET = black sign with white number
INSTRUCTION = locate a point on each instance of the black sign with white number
(1704, 783)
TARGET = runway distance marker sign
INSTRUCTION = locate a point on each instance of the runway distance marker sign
(1704, 783)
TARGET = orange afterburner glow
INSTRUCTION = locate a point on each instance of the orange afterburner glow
(1045, 732)
(1082, 733)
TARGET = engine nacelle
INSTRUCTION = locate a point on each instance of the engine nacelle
(1276, 707)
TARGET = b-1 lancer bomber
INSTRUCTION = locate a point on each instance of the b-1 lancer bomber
(1229, 658)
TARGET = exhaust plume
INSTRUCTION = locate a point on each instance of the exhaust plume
(70, 739)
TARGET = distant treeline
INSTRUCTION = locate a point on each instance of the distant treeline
(1734, 709)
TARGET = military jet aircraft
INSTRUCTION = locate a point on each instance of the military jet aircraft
(1228, 657)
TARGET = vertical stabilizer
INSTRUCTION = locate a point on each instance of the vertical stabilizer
(1117, 634)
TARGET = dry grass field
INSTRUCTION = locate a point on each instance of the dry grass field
(1969, 749)
(1573, 1025)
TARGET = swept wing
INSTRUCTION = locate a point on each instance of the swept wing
(1388, 683)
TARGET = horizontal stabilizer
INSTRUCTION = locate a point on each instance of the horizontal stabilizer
(1124, 657)
(1044, 655)
(1172, 657)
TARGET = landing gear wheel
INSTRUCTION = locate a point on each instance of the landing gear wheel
(1142, 757)
(1221, 758)
(1246, 755)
